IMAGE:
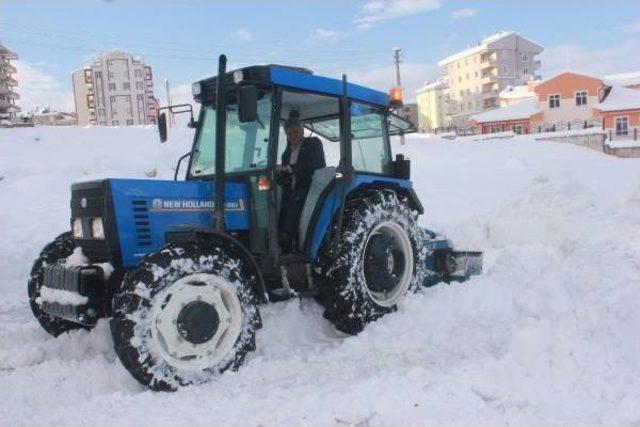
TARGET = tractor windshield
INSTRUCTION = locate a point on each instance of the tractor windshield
(246, 143)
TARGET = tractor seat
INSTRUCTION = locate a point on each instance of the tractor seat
(320, 181)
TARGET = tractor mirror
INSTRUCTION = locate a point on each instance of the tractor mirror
(247, 104)
(162, 126)
(402, 167)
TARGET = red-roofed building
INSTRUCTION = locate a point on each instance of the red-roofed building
(620, 113)
(567, 99)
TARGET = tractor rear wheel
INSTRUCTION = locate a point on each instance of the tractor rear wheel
(380, 256)
(61, 247)
(186, 314)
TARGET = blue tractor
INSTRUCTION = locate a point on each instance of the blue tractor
(181, 267)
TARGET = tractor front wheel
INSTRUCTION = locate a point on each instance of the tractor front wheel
(380, 256)
(186, 314)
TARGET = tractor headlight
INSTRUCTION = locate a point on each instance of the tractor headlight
(196, 89)
(76, 226)
(97, 228)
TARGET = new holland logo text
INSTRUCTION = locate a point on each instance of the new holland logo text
(165, 205)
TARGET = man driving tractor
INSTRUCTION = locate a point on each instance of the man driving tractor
(302, 157)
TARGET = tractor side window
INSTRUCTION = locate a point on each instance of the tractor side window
(369, 148)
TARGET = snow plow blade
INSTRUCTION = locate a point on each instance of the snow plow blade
(448, 265)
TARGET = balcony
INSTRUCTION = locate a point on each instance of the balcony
(488, 63)
(5, 104)
(7, 67)
(4, 89)
(490, 103)
(537, 64)
(488, 94)
(488, 79)
(7, 54)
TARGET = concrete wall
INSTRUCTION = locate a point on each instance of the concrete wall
(625, 152)
(594, 141)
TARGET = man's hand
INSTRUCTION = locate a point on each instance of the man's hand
(283, 169)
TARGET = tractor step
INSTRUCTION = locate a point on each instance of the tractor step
(75, 313)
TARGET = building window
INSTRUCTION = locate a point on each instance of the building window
(110, 75)
(525, 71)
(112, 86)
(525, 57)
(622, 125)
(101, 113)
(475, 73)
(129, 122)
(115, 123)
(87, 76)
(461, 93)
(496, 128)
(98, 74)
(554, 101)
(459, 79)
(139, 86)
(505, 69)
(470, 106)
(517, 129)
(127, 86)
(138, 73)
(581, 98)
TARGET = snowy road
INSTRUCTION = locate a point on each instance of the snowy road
(549, 335)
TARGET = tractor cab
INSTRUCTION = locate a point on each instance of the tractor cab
(354, 124)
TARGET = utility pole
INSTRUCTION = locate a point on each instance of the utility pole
(171, 118)
(396, 58)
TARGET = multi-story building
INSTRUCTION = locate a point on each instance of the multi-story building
(478, 74)
(8, 96)
(115, 89)
(432, 101)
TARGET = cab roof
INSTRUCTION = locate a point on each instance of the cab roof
(299, 79)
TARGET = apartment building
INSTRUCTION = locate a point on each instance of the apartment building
(478, 74)
(432, 101)
(8, 96)
(115, 89)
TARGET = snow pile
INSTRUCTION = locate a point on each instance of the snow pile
(548, 335)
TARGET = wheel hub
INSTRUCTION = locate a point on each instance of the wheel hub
(198, 322)
(388, 263)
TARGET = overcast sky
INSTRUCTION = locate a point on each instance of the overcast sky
(181, 40)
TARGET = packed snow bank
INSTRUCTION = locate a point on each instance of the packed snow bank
(548, 335)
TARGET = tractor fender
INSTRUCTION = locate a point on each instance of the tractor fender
(324, 213)
(209, 236)
(406, 191)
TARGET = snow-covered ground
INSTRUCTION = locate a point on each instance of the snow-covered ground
(549, 335)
